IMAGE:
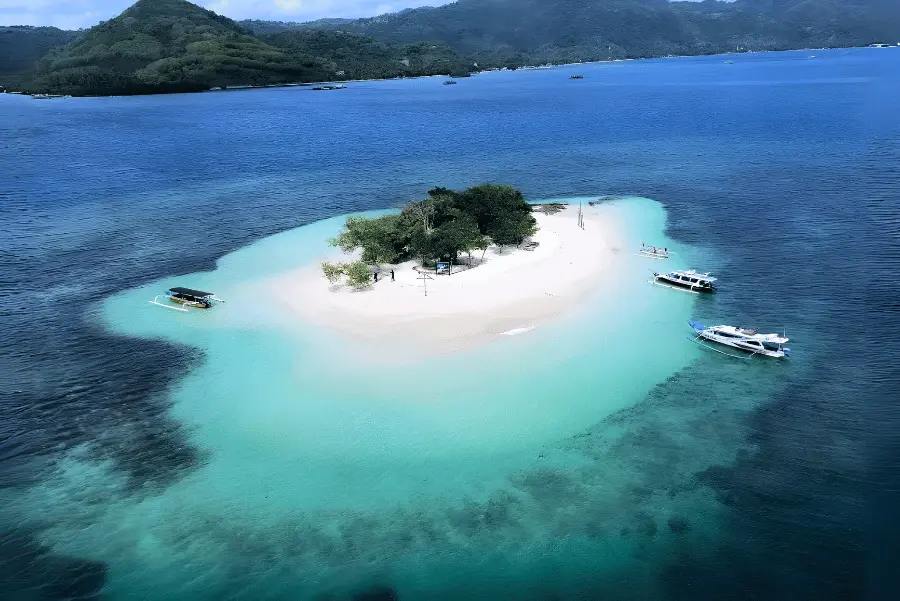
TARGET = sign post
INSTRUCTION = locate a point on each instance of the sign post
(425, 277)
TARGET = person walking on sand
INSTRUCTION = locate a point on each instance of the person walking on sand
(392, 275)
(375, 275)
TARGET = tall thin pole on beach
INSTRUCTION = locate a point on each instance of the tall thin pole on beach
(425, 277)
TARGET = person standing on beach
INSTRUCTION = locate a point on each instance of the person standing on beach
(375, 275)
(392, 275)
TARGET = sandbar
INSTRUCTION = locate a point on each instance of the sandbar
(511, 293)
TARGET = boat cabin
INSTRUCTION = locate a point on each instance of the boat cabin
(745, 339)
(186, 297)
(689, 279)
(189, 295)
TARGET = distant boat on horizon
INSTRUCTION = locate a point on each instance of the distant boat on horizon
(576, 76)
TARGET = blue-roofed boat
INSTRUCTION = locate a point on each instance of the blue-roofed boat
(744, 339)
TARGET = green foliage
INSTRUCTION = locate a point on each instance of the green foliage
(500, 212)
(161, 46)
(498, 33)
(22, 46)
(358, 274)
(379, 238)
(441, 226)
(457, 235)
(355, 274)
(333, 271)
(355, 56)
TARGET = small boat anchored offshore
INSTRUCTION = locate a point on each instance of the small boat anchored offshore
(653, 252)
(751, 341)
(186, 297)
(687, 280)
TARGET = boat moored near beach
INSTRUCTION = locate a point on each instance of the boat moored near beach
(687, 280)
(744, 339)
(653, 252)
(186, 297)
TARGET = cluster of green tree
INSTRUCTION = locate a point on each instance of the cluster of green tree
(158, 46)
(258, 27)
(519, 32)
(22, 46)
(355, 274)
(355, 56)
(440, 227)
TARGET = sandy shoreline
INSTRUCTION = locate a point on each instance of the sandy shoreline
(509, 294)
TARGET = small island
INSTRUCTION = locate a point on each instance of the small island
(435, 232)
(455, 269)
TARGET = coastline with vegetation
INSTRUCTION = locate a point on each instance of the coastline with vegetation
(455, 270)
(174, 46)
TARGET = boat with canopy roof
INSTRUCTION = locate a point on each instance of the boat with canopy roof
(185, 297)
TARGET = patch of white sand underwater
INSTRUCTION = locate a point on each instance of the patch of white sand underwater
(306, 444)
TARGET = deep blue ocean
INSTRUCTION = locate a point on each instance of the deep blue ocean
(783, 167)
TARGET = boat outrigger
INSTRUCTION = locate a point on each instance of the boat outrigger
(687, 280)
(653, 252)
(750, 341)
(186, 297)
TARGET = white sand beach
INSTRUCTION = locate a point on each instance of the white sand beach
(510, 294)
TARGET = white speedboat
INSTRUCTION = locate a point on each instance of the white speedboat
(653, 252)
(750, 341)
(687, 280)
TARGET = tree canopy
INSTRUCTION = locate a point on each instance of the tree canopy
(22, 46)
(168, 46)
(356, 56)
(159, 46)
(441, 226)
(518, 32)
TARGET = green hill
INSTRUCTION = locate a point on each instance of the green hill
(159, 46)
(356, 56)
(496, 32)
(258, 27)
(21, 47)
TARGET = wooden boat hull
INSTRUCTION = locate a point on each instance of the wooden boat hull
(189, 303)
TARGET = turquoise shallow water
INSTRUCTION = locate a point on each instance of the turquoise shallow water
(298, 435)
(137, 464)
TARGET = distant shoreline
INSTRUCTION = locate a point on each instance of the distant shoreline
(242, 87)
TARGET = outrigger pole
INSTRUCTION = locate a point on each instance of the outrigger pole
(165, 306)
(696, 340)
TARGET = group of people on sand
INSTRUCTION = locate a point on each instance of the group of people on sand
(375, 275)
(654, 250)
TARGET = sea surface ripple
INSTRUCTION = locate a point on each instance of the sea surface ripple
(784, 168)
